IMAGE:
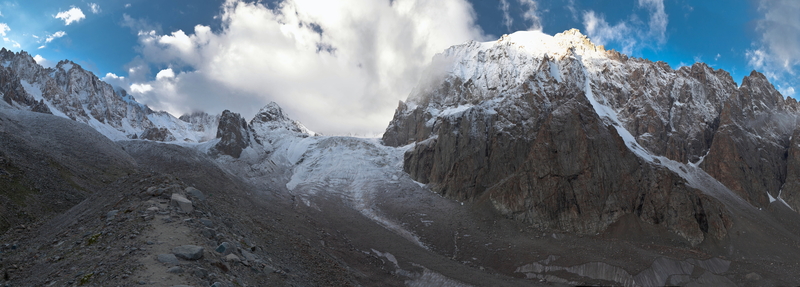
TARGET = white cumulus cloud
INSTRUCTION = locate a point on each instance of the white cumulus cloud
(51, 37)
(337, 66)
(95, 8)
(4, 29)
(165, 74)
(531, 14)
(54, 36)
(74, 14)
(14, 44)
(788, 92)
(507, 19)
(602, 33)
(777, 52)
(43, 62)
(658, 18)
(630, 35)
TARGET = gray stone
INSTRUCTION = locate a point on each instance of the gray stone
(200, 272)
(217, 284)
(225, 248)
(188, 252)
(153, 191)
(661, 269)
(195, 193)
(206, 222)
(208, 233)
(752, 276)
(679, 279)
(111, 215)
(232, 258)
(175, 270)
(181, 202)
(168, 259)
(715, 265)
(249, 256)
(709, 279)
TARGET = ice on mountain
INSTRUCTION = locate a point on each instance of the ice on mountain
(554, 71)
(67, 67)
(34, 91)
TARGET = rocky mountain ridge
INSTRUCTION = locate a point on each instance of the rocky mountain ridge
(69, 91)
(558, 132)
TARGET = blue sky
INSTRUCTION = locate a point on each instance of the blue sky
(341, 66)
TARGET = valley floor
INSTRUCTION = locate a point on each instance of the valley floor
(333, 211)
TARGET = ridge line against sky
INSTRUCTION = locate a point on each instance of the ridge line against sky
(341, 66)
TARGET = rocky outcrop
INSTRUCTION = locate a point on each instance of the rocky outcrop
(233, 133)
(790, 191)
(407, 126)
(749, 151)
(157, 134)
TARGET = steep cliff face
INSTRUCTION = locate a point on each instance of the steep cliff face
(234, 134)
(69, 91)
(560, 133)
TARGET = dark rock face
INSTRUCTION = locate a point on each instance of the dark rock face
(157, 134)
(405, 129)
(739, 135)
(749, 151)
(791, 189)
(527, 137)
(234, 134)
(572, 172)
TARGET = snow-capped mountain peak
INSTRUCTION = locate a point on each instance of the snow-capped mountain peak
(69, 91)
(540, 44)
(271, 117)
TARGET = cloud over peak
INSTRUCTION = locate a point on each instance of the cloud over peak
(658, 18)
(632, 34)
(777, 52)
(337, 66)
